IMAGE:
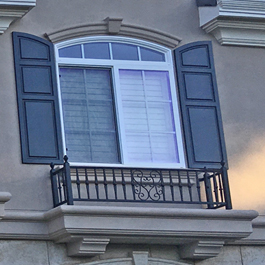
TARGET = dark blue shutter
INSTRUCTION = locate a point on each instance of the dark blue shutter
(37, 99)
(200, 107)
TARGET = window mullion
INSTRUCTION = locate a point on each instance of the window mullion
(88, 116)
(119, 115)
(147, 114)
(110, 50)
(82, 51)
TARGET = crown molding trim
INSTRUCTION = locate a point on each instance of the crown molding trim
(234, 22)
(114, 26)
(12, 10)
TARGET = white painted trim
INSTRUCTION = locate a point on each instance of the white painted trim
(235, 22)
(119, 39)
(130, 65)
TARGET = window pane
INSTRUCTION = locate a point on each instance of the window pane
(164, 147)
(139, 148)
(132, 85)
(161, 117)
(121, 51)
(98, 50)
(148, 116)
(71, 52)
(151, 55)
(135, 116)
(88, 110)
(157, 86)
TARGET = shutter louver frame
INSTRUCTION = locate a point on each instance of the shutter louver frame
(201, 114)
(37, 98)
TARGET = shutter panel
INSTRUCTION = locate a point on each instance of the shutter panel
(37, 99)
(200, 105)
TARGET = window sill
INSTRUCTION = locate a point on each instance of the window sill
(234, 22)
(12, 10)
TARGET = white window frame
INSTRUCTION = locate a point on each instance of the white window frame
(115, 65)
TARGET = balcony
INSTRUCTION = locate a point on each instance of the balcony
(207, 188)
(97, 206)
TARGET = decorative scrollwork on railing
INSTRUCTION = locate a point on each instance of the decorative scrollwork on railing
(147, 186)
(207, 187)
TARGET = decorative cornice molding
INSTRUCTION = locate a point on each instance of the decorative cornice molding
(114, 26)
(4, 197)
(12, 10)
(234, 22)
(258, 235)
(202, 249)
(85, 247)
(257, 6)
(132, 225)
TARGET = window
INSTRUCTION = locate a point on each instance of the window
(143, 120)
(119, 103)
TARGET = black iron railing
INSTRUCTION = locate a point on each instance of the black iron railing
(207, 187)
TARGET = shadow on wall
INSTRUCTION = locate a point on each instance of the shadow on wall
(247, 177)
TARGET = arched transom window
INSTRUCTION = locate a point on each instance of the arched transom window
(119, 103)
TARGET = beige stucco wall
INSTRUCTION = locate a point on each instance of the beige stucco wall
(239, 75)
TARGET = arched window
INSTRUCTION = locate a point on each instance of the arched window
(118, 102)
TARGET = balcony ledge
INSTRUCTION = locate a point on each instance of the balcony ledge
(11, 10)
(234, 22)
(87, 230)
(200, 234)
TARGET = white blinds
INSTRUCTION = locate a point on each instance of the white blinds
(88, 112)
(148, 121)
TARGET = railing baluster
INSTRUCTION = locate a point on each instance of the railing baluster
(59, 181)
(96, 182)
(68, 184)
(221, 190)
(189, 186)
(226, 187)
(78, 183)
(132, 183)
(198, 186)
(208, 189)
(215, 188)
(180, 187)
(87, 184)
(114, 184)
(54, 186)
(162, 184)
(171, 185)
(105, 184)
(123, 183)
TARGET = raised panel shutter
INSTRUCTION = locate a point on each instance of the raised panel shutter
(200, 107)
(37, 99)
